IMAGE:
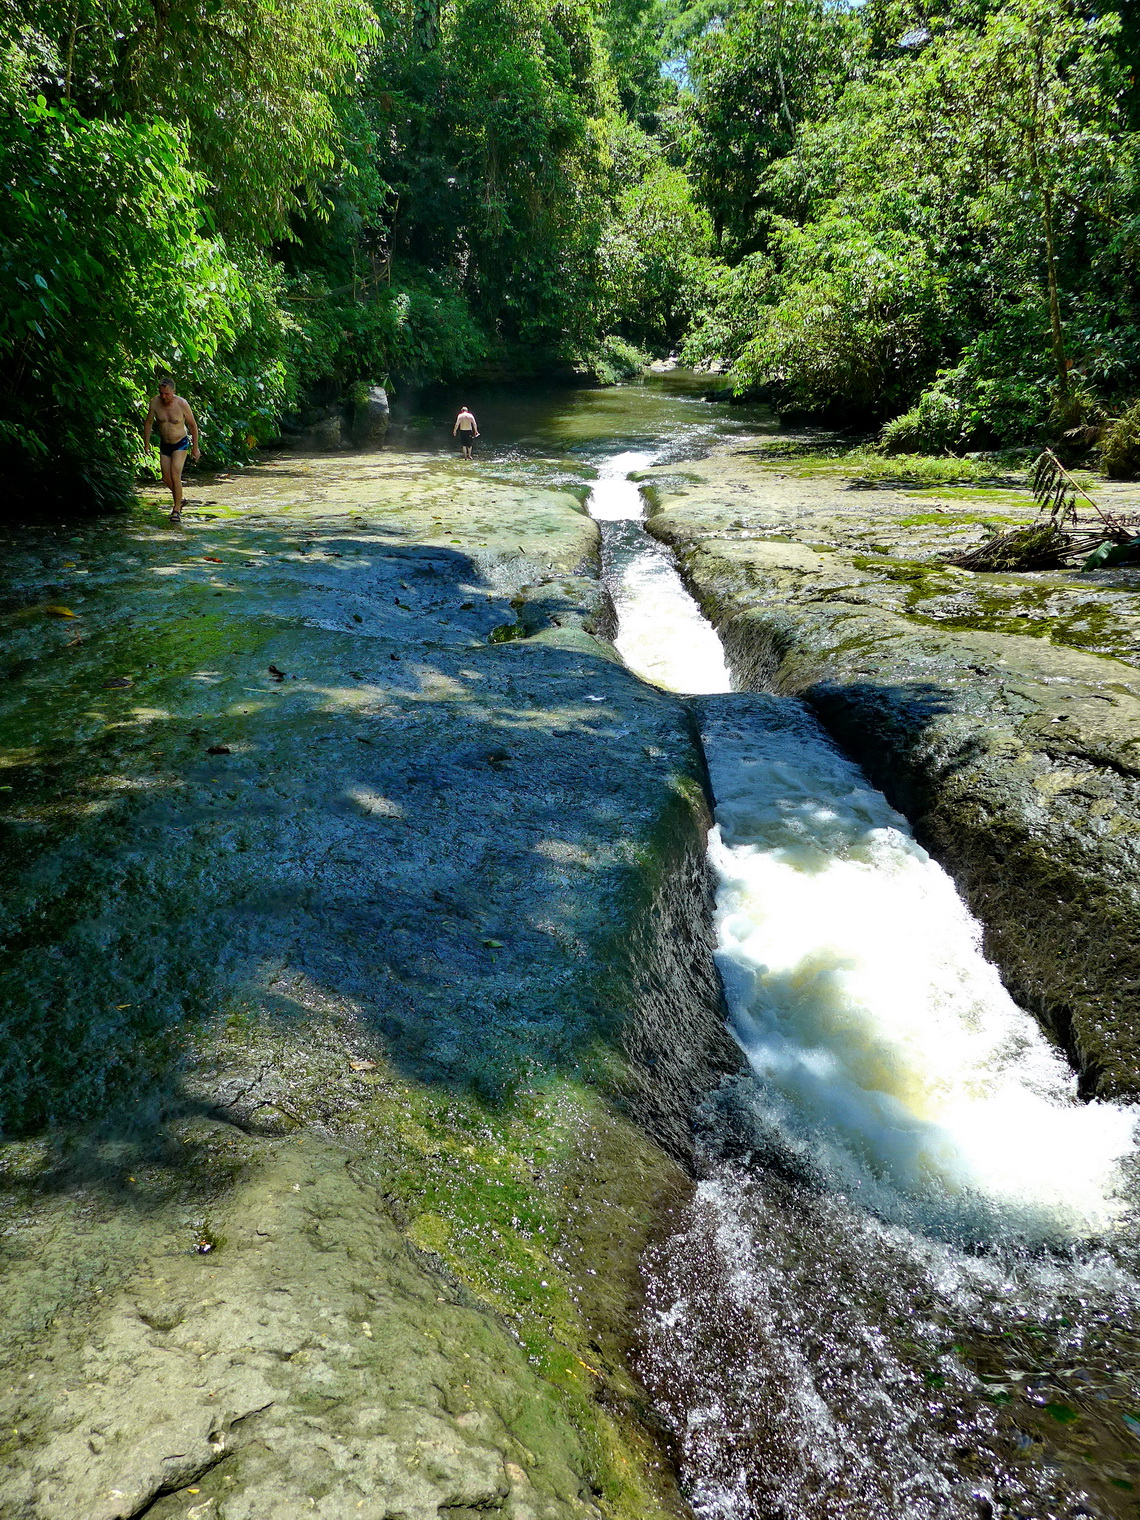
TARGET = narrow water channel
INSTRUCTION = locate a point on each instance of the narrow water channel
(907, 1285)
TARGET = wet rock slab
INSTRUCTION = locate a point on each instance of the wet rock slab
(356, 991)
(1000, 713)
(309, 1356)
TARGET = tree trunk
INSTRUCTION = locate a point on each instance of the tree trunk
(1045, 197)
(785, 112)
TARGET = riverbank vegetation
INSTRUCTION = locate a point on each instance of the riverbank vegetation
(926, 214)
(916, 216)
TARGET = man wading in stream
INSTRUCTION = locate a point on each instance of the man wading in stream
(467, 429)
(177, 433)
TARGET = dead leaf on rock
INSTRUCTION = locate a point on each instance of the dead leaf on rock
(278, 675)
(362, 1065)
(116, 681)
(493, 944)
(219, 749)
(213, 559)
(60, 611)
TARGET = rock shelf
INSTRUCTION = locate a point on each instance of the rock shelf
(357, 990)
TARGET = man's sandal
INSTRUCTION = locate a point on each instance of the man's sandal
(175, 518)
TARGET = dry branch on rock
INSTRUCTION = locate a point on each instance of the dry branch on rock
(1061, 535)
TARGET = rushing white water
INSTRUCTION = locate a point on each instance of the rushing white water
(810, 1360)
(858, 988)
(661, 633)
(616, 498)
(888, 1049)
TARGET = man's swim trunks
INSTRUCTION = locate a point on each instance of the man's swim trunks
(170, 449)
(466, 437)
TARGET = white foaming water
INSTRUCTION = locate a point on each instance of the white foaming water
(887, 1047)
(798, 1348)
(859, 992)
(616, 498)
(662, 636)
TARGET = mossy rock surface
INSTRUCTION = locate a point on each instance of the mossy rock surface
(351, 1023)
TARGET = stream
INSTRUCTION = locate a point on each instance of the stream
(907, 1285)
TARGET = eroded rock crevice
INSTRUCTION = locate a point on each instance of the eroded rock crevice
(1014, 754)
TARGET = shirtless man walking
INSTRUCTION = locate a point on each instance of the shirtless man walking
(467, 429)
(177, 433)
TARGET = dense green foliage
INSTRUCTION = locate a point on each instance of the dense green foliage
(277, 200)
(934, 209)
(924, 215)
(151, 155)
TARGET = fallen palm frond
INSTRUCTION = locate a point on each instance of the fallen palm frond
(1039, 546)
(1063, 533)
(1058, 493)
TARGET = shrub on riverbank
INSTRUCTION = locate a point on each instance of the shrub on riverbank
(934, 425)
(1120, 449)
(615, 360)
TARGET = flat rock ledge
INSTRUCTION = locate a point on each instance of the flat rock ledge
(356, 993)
(1000, 714)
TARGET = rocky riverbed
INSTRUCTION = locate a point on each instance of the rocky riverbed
(357, 990)
(1000, 713)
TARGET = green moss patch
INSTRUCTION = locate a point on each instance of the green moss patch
(953, 520)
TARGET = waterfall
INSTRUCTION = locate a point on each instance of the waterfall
(928, 1170)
